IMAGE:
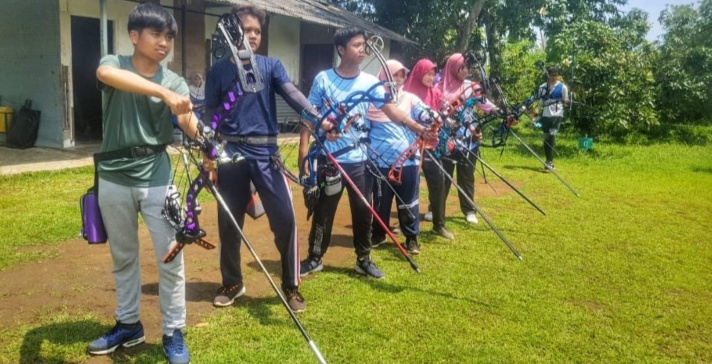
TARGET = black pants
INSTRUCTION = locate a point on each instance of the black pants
(408, 208)
(273, 189)
(550, 127)
(361, 217)
(465, 165)
(435, 179)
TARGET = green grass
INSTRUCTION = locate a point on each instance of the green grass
(621, 274)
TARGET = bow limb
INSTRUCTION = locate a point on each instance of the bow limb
(375, 44)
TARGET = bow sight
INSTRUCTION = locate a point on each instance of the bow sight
(229, 34)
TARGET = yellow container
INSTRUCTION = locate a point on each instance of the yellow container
(5, 118)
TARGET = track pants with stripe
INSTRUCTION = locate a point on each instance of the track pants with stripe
(273, 190)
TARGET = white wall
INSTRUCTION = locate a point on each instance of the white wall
(284, 44)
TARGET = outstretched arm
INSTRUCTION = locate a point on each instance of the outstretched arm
(396, 114)
(295, 99)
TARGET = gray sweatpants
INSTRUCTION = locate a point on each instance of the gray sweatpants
(120, 206)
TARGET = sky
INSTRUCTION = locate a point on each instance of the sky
(653, 8)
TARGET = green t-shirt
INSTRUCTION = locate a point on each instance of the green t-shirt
(132, 120)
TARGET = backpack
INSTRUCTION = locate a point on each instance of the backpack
(22, 133)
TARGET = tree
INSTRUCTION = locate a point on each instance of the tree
(684, 69)
(615, 88)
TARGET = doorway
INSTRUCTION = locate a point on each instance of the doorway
(315, 58)
(86, 53)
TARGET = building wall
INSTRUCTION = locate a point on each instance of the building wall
(284, 43)
(30, 58)
(192, 32)
(118, 13)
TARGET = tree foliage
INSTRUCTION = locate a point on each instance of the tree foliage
(684, 68)
(614, 88)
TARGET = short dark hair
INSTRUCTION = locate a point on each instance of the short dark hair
(344, 35)
(154, 16)
(241, 10)
(553, 69)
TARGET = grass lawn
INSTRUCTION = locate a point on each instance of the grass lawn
(621, 274)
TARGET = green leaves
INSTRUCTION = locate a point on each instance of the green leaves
(685, 65)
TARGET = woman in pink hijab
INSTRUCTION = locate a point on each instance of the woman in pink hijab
(420, 83)
(454, 85)
(389, 139)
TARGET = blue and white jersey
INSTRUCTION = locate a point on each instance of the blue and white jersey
(328, 84)
(553, 102)
(389, 138)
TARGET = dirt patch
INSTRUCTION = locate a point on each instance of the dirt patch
(79, 279)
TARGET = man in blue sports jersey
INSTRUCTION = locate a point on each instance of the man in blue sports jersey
(250, 130)
(553, 95)
(338, 83)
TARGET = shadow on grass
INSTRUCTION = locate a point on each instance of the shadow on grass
(260, 308)
(384, 286)
(702, 170)
(78, 332)
(539, 169)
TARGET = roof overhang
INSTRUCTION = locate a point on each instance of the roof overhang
(318, 12)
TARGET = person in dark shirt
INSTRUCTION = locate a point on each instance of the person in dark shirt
(250, 130)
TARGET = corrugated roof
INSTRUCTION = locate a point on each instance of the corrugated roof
(318, 12)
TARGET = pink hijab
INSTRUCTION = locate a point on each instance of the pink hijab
(394, 67)
(429, 95)
(451, 86)
(375, 114)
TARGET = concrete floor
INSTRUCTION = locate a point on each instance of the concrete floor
(13, 161)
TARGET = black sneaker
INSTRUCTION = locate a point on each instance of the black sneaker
(445, 233)
(310, 265)
(411, 244)
(126, 335)
(377, 240)
(295, 300)
(548, 165)
(227, 295)
(368, 268)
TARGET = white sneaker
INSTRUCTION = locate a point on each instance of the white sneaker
(428, 216)
(471, 218)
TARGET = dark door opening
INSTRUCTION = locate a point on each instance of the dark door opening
(86, 53)
(315, 58)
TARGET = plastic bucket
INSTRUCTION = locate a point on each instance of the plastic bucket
(5, 118)
(585, 143)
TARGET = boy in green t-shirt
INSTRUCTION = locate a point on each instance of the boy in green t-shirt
(139, 97)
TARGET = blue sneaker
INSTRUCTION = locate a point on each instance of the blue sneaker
(125, 335)
(368, 268)
(175, 349)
